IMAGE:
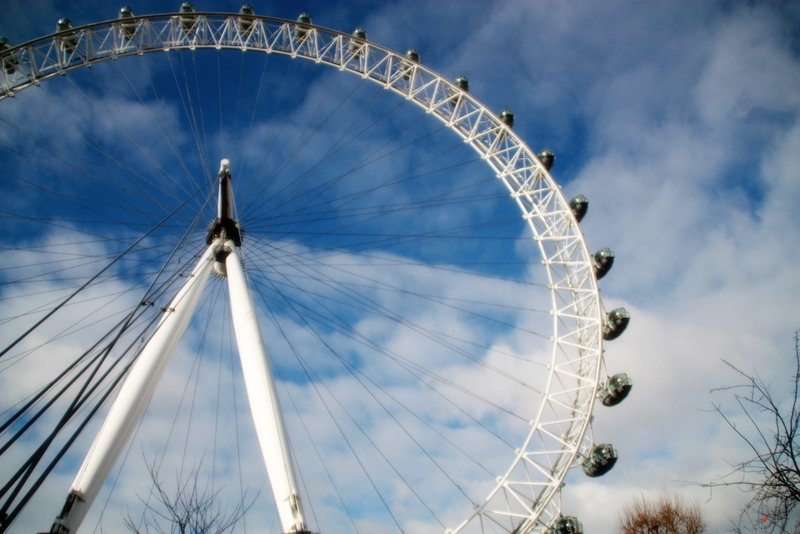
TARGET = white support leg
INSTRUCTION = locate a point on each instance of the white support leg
(264, 405)
(133, 398)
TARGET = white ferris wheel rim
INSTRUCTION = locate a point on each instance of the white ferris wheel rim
(576, 308)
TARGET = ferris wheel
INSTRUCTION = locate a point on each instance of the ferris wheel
(415, 307)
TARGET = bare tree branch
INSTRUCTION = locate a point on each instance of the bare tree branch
(772, 474)
(191, 510)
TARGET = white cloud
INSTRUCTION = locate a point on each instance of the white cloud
(676, 120)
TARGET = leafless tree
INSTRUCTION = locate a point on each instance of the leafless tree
(192, 509)
(665, 514)
(772, 473)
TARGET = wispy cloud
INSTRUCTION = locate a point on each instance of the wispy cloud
(677, 120)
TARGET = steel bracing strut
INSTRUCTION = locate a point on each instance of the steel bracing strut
(224, 239)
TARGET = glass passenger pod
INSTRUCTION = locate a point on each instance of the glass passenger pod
(579, 206)
(507, 117)
(547, 158)
(245, 19)
(407, 66)
(600, 460)
(129, 27)
(616, 389)
(462, 83)
(67, 38)
(10, 60)
(566, 525)
(616, 322)
(301, 27)
(357, 42)
(187, 21)
(603, 260)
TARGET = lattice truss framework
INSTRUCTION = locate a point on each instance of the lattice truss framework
(525, 498)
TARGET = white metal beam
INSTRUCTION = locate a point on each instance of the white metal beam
(264, 404)
(133, 397)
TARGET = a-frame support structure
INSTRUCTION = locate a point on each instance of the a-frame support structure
(224, 240)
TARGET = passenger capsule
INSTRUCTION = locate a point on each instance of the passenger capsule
(10, 61)
(507, 117)
(128, 28)
(357, 42)
(407, 65)
(579, 206)
(603, 260)
(187, 21)
(616, 389)
(63, 25)
(566, 525)
(68, 42)
(616, 323)
(245, 22)
(462, 83)
(601, 460)
(301, 28)
(547, 157)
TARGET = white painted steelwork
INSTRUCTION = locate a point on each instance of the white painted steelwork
(264, 405)
(137, 390)
(523, 499)
(133, 397)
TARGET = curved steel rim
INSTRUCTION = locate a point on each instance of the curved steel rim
(524, 495)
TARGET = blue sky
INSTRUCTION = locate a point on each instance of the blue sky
(679, 121)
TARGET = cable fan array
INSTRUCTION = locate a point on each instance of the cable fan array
(553, 221)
